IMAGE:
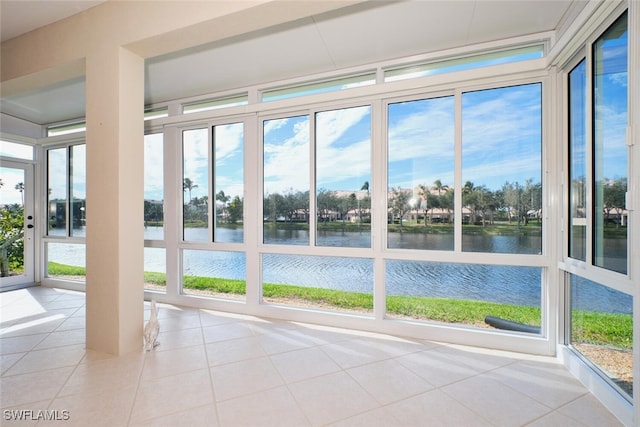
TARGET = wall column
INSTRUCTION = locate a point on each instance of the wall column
(115, 193)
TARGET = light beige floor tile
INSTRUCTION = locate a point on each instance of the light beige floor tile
(360, 351)
(32, 387)
(245, 377)
(436, 367)
(303, 364)
(331, 398)
(8, 360)
(170, 362)
(62, 338)
(589, 411)
(168, 395)
(42, 360)
(230, 351)
(496, 402)
(274, 407)
(105, 374)
(227, 331)
(213, 318)
(20, 344)
(177, 339)
(322, 335)
(44, 323)
(202, 416)
(548, 383)
(379, 417)
(388, 381)
(480, 359)
(434, 409)
(555, 419)
(72, 323)
(64, 304)
(284, 340)
(101, 408)
(271, 326)
(175, 319)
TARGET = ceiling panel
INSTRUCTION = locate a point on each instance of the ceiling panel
(396, 30)
(358, 35)
(56, 103)
(21, 16)
(494, 20)
(280, 54)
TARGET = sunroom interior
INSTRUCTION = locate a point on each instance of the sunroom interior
(460, 172)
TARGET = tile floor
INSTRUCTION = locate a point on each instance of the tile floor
(220, 369)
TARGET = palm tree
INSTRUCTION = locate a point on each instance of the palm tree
(188, 185)
(20, 188)
(437, 184)
(221, 197)
(423, 193)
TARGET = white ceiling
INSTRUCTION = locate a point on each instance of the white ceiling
(18, 17)
(357, 35)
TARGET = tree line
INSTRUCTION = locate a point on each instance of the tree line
(513, 202)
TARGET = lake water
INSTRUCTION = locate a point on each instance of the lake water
(503, 284)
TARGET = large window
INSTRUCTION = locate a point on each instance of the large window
(504, 297)
(153, 187)
(600, 312)
(329, 283)
(498, 211)
(609, 147)
(602, 330)
(228, 183)
(195, 185)
(578, 162)
(343, 175)
(421, 174)
(66, 195)
(286, 180)
(66, 211)
(502, 170)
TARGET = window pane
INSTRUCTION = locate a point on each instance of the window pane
(78, 188)
(577, 162)
(602, 329)
(610, 150)
(154, 186)
(333, 283)
(214, 273)
(343, 173)
(286, 181)
(228, 143)
(155, 269)
(501, 170)
(66, 261)
(195, 185)
(14, 189)
(421, 178)
(57, 194)
(466, 63)
(319, 87)
(465, 293)
(13, 149)
(214, 104)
